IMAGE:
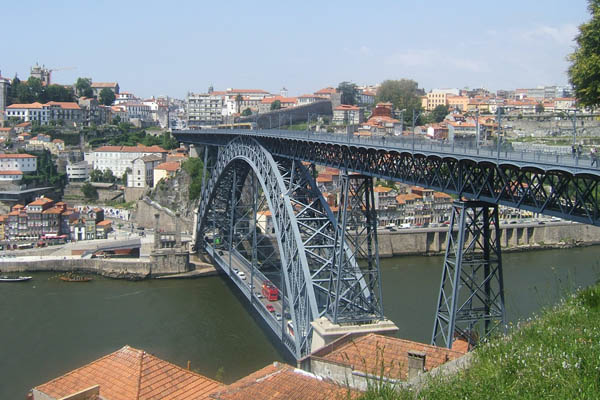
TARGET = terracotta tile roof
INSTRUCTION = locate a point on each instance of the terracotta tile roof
(22, 105)
(131, 149)
(283, 382)
(371, 352)
(171, 166)
(18, 207)
(64, 105)
(5, 129)
(40, 202)
(346, 107)
(104, 223)
(11, 173)
(327, 91)
(3, 218)
(53, 210)
(324, 178)
(19, 155)
(403, 198)
(269, 100)
(131, 374)
(442, 195)
(382, 189)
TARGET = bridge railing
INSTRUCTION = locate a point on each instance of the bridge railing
(495, 153)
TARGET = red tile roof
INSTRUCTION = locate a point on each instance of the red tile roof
(378, 354)
(104, 223)
(327, 91)
(131, 374)
(344, 107)
(30, 105)
(171, 166)
(40, 202)
(283, 382)
(64, 105)
(11, 173)
(104, 84)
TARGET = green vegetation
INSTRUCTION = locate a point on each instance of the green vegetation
(125, 134)
(107, 176)
(106, 97)
(89, 192)
(539, 108)
(83, 86)
(584, 72)
(70, 137)
(194, 167)
(439, 113)
(46, 173)
(32, 90)
(553, 356)
(247, 112)
(276, 105)
(403, 94)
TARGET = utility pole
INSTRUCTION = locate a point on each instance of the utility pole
(574, 127)
(498, 132)
(477, 129)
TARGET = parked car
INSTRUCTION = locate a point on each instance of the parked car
(242, 275)
(278, 316)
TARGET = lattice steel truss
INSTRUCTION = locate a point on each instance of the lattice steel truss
(355, 296)
(472, 289)
(246, 179)
(563, 191)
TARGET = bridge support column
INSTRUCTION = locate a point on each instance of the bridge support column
(471, 298)
(351, 299)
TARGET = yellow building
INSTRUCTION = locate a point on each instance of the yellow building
(3, 220)
(165, 170)
(460, 103)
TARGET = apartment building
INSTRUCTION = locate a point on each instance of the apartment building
(204, 109)
(120, 158)
(65, 112)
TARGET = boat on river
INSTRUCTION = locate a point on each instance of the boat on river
(75, 278)
(5, 278)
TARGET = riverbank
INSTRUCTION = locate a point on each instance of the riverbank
(554, 355)
(514, 237)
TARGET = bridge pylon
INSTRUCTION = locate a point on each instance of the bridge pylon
(355, 295)
(471, 297)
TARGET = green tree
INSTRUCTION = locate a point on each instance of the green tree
(89, 192)
(439, 113)
(124, 177)
(108, 176)
(116, 120)
(107, 97)
(83, 86)
(584, 72)
(58, 93)
(403, 94)
(349, 92)
(247, 112)
(539, 108)
(276, 105)
(238, 102)
(96, 175)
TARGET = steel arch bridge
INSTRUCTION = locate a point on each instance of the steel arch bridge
(247, 180)
(317, 252)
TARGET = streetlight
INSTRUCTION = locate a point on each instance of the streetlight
(414, 119)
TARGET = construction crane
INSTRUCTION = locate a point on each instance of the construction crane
(51, 70)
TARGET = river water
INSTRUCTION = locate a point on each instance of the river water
(49, 327)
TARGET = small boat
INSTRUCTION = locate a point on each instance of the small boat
(5, 278)
(75, 278)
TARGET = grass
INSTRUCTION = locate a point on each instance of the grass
(555, 355)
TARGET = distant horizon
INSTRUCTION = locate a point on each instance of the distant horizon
(153, 50)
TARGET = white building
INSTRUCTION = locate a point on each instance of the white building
(347, 114)
(67, 112)
(204, 109)
(78, 171)
(18, 162)
(119, 158)
(10, 176)
(142, 171)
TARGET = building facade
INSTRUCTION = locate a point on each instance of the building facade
(120, 158)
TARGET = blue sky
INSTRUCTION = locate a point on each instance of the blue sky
(170, 48)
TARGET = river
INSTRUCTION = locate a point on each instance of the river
(50, 327)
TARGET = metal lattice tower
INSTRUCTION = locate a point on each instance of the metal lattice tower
(472, 289)
(355, 296)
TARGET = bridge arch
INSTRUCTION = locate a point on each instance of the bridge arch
(303, 224)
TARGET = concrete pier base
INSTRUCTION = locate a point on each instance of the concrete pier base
(325, 332)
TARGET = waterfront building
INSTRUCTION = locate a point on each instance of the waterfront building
(120, 158)
(128, 374)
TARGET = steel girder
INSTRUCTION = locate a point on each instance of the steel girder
(355, 296)
(472, 286)
(304, 227)
(565, 192)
